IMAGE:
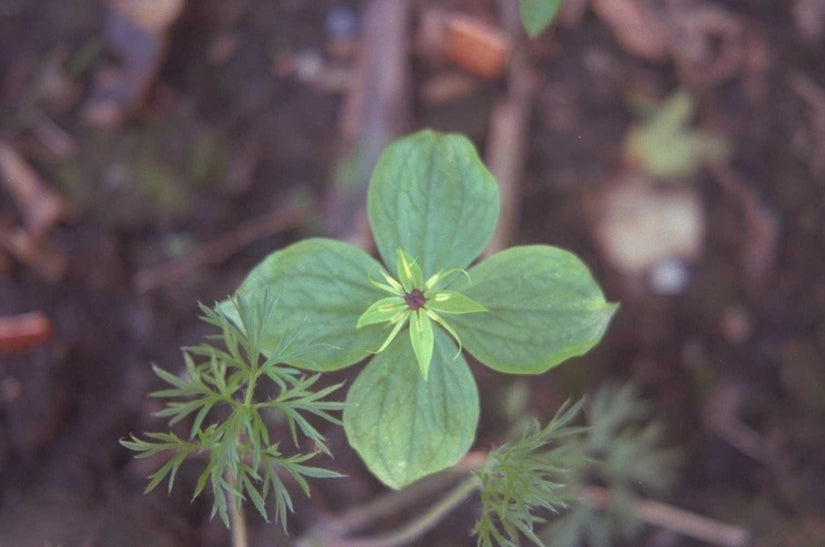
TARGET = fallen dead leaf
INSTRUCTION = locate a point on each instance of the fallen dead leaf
(19, 333)
(151, 15)
(638, 224)
(465, 41)
(135, 31)
(634, 27)
(476, 46)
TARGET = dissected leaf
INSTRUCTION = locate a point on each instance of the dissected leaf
(404, 427)
(536, 15)
(543, 307)
(241, 461)
(322, 288)
(431, 196)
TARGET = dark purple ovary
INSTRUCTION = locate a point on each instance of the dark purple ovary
(415, 299)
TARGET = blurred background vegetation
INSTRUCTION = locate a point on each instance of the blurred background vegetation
(153, 151)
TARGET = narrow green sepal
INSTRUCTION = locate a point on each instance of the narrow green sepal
(409, 272)
(421, 337)
(435, 279)
(438, 319)
(392, 335)
(384, 287)
(453, 302)
(392, 285)
(381, 311)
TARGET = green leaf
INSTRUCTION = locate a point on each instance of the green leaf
(536, 15)
(543, 307)
(431, 196)
(453, 302)
(421, 337)
(404, 427)
(322, 288)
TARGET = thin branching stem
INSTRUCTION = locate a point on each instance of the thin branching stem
(237, 522)
(423, 523)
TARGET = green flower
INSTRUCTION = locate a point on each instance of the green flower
(420, 303)
(432, 206)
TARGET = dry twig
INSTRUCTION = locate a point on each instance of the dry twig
(814, 98)
(220, 249)
(675, 519)
(508, 141)
(41, 206)
(374, 113)
(761, 226)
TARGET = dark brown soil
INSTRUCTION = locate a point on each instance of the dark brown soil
(738, 352)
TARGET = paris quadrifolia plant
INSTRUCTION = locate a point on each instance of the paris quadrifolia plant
(413, 408)
(432, 206)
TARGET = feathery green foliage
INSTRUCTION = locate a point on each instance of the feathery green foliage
(535, 472)
(622, 448)
(544, 472)
(230, 424)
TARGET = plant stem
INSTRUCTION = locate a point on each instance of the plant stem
(237, 522)
(423, 523)
(236, 516)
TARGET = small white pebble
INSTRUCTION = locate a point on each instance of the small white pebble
(308, 65)
(669, 277)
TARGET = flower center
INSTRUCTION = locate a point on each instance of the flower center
(415, 299)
